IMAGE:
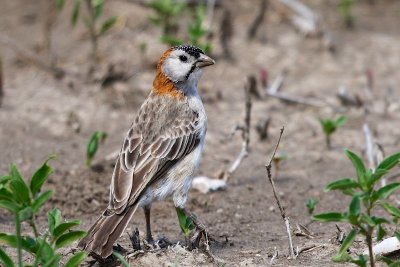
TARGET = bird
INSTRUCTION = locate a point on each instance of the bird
(161, 150)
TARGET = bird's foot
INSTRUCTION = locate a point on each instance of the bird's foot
(162, 242)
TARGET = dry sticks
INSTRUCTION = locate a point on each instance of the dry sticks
(250, 86)
(293, 254)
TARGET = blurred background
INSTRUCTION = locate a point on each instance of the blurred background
(72, 70)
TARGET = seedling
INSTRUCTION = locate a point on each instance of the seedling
(329, 126)
(166, 14)
(365, 199)
(95, 10)
(25, 202)
(94, 143)
(345, 12)
(196, 31)
(310, 204)
(185, 222)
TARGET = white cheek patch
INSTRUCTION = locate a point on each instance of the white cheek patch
(176, 70)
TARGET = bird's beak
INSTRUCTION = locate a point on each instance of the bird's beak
(204, 61)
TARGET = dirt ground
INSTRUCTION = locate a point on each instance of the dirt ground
(41, 115)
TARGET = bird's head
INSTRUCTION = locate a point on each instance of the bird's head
(180, 68)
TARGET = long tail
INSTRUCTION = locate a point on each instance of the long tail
(105, 231)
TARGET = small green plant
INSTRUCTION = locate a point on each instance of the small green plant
(329, 126)
(196, 31)
(365, 198)
(95, 10)
(185, 222)
(24, 202)
(167, 14)
(95, 140)
(345, 11)
(310, 204)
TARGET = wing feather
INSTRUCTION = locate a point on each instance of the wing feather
(151, 149)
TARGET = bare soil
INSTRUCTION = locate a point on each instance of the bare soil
(41, 115)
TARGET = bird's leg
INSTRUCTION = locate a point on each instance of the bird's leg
(149, 237)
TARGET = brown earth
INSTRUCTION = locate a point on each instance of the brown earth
(41, 115)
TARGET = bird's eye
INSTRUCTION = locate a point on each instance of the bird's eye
(183, 58)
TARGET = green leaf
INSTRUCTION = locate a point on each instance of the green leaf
(342, 184)
(20, 191)
(389, 162)
(172, 41)
(341, 121)
(8, 205)
(395, 212)
(75, 260)
(342, 258)
(379, 220)
(75, 12)
(376, 175)
(368, 220)
(108, 24)
(5, 179)
(40, 200)
(25, 214)
(380, 233)
(97, 5)
(6, 259)
(53, 261)
(397, 235)
(40, 176)
(348, 241)
(328, 126)
(6, 194)
(121, 259)
(310, 204)
(93, 145)
(60, 4)
(385, 192)
(63, 227)
(54, 219)
(354, 209)
(359, 166)
(68, 238)
(361, 261)
(330, 217)
(28, 244)
(185, 222)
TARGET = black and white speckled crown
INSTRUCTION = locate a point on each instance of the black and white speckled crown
(190, 49)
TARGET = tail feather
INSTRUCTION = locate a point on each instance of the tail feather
(105, 231)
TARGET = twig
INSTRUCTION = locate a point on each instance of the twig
(297, 100)
(258, 20)
(268, 166)
(304, 18)
(273, 91)
(226, 30)
(348, 100)
(274, 256)
(245, 131)
(276, 84)
(56, 71)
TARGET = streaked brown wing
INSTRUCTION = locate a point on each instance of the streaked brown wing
(154, 143)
